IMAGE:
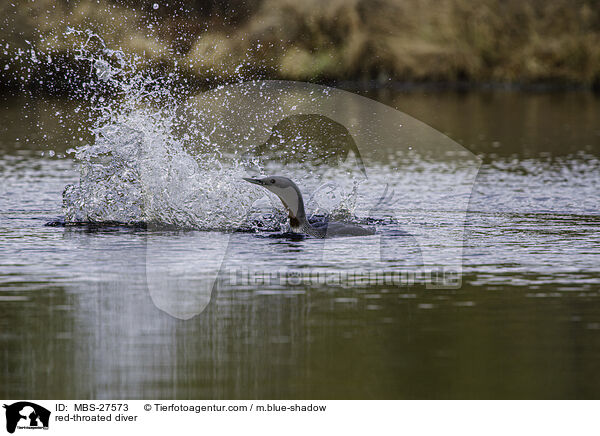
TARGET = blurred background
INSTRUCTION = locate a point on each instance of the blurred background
(553, 43)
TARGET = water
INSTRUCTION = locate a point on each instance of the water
(87, 313)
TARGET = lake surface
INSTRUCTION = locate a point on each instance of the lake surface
(93, 312)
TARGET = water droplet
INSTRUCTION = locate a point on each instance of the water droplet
(155, 6)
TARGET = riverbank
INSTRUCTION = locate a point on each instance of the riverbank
(531, 44)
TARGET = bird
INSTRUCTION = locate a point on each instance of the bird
(291, 197)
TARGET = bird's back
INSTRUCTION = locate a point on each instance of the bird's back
(333, 229)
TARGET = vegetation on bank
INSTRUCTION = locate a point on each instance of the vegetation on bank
(512, 41)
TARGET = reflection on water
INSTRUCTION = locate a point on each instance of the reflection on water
(81, 308)
(508, 124)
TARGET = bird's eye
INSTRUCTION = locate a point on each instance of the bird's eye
(272, 181)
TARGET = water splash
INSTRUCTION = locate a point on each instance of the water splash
(152, 160)
(137, 168)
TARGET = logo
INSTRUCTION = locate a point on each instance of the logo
(358, 156)
(26, 415)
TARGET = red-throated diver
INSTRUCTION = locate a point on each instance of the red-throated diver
(291, 197)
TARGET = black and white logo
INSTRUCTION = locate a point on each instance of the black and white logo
(26, 415)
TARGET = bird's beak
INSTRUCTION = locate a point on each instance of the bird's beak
(255, 181)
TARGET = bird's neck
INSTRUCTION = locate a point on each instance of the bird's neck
(294, 204)
(297, 216)
(299, 223)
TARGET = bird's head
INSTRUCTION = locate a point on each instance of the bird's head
(286, 190)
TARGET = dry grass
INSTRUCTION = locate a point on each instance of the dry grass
(415, 40)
